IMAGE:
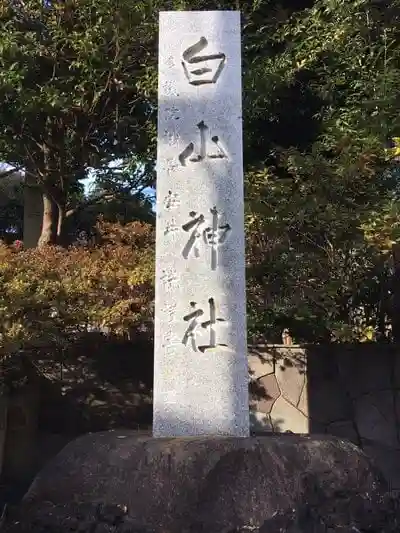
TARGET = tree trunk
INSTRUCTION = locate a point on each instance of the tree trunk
(33, 211)
(60, 223)
(49, 230)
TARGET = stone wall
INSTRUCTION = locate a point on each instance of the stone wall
(18, 440)
(348, 391)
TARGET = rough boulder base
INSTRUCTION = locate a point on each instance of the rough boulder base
(201, 484)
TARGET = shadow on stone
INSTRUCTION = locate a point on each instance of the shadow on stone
(208, 485)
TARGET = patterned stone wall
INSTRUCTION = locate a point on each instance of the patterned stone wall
(348, 391)
(278, 389)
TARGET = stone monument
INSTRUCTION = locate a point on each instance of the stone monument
(200, 365)
(210, 477)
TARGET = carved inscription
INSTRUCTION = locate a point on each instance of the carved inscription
(208, 230)
(212, 234)
(169, 277)
(209, 325)
(201, 69)
(171, 201)
(171, 227)
(216, 151)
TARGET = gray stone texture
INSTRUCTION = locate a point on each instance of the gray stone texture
(200, 364)
(349, 512)
(286, 417)
(203, 484)
(290, 373)
(263, 393)
(261, 362)
(386, 457)
(366, 373)
(260, 422)
(302, 406)
(346, 391)
(329, 402)
(344, 429)
(373, 417)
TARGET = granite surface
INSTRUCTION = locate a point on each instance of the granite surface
(220, 484)
(200, 366)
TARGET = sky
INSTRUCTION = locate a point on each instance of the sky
(89, 182)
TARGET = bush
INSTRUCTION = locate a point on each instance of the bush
(49, 295)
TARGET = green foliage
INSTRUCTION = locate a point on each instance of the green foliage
(70, 93)
(78, 89)
(322, 196)
(118, 195)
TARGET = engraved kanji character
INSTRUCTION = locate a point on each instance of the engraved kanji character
(169, 277)
(193, 319)
(213, 235)
(188, 152)
(171, 201)
(207, 72)
(170, 227)
(193, 226)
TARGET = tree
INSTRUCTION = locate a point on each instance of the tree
(321, 93)
(323, 104)
(69, 92)
(115, 197)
